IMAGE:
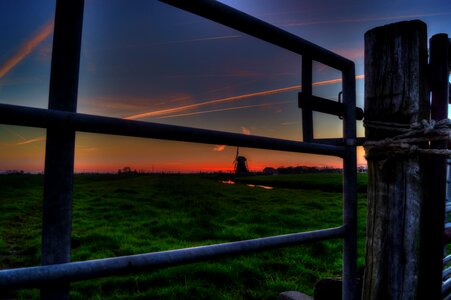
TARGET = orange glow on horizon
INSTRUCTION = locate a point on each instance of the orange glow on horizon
(193, 167)
(26, 49)
(156, 168)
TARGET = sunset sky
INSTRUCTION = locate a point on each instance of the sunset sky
(145, 60)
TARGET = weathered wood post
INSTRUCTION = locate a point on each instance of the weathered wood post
(395, 97)
(433, 212)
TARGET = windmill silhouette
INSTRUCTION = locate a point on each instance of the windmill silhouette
(240, 164)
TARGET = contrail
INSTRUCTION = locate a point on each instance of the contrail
(223, 109)
(37, 139)
(230, 99)
(239, 97)
(202, 39)
(211, 38)
(13, 132)
(216, 101)
(26, 49)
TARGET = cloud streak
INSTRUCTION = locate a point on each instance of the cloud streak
(245, 130)
(219, 148)
(194, 40)
(26, 49)
(211, 102)
(223, 109)
(34, 140)
(178, 109)
(13, 132)
(360, 20)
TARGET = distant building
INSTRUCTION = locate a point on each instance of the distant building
(362, 169)
(240, 164)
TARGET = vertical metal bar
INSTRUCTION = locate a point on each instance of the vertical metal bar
(59, 157)
(307, 115)
(431, 259)
(349, 187)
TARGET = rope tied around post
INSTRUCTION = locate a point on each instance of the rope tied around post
(406, 143)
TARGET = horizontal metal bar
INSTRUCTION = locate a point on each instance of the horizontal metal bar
(233, 18)
(74, 271)
(338, 141)
(326, 106)
(45, 118)
(330, 141)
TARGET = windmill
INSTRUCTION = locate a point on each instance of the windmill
(240, 164)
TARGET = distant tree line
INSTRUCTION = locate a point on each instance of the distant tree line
(14, 172)
(127, 171)
(299, 170)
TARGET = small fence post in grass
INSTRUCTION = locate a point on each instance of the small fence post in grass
(395, 96)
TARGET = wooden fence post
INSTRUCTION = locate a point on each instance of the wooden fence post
(395, 92)
(433, 212)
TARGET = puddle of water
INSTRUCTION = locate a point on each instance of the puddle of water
(228, 181)
(266, 187)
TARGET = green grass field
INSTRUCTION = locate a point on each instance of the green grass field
(121, 215)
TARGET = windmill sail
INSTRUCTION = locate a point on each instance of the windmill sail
(240, 164)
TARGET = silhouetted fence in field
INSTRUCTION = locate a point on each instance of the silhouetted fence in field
(62, 121)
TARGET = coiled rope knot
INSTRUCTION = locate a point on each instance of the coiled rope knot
(414, 138)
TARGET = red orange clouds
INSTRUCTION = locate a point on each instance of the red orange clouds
(27, 47)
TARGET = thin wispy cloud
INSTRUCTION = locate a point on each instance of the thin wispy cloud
(13, 132)
(289, 123)
(367, 19)
(87, 149)
(33, 140)
(26, 49)
(202, 39)
(245, 130)
(173, 110)
(211, 102)
(219, 148)
(222, 109)
(350, 53)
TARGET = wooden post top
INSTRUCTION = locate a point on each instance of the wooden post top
(395, 75)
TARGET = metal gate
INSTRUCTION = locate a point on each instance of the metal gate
(62, 121)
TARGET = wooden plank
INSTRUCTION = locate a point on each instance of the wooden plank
(395, 92)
